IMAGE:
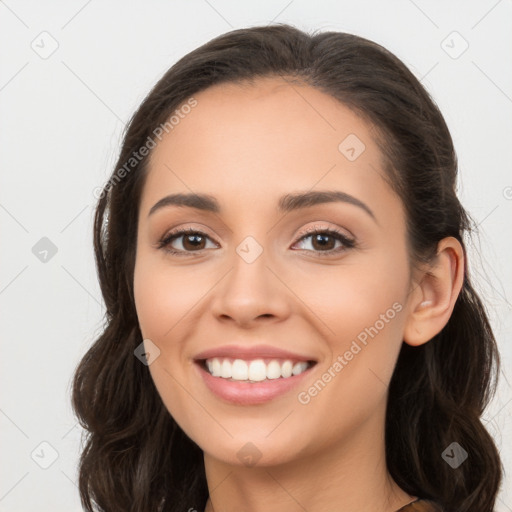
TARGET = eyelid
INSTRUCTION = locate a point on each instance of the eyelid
(311, 230)
(185, 230)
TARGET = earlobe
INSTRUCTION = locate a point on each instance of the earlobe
(433, 300)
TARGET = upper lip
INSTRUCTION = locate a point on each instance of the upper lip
(251, 352)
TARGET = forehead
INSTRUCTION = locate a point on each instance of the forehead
(268, 110)
(247, 141)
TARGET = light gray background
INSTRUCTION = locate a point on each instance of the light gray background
(61, 121)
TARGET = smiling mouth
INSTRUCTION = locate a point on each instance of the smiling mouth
(254, 370)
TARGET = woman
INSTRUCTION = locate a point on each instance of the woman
(323, 349)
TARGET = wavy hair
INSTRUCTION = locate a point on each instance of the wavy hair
(135, 457)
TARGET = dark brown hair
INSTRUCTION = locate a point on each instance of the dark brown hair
(135, 457)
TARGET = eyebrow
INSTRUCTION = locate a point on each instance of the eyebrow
(286, 203)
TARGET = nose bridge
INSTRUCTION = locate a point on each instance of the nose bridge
(250, 288)
(249, 276)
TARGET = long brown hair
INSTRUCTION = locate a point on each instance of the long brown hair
(135, 457)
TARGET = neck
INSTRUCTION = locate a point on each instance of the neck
(351, 476)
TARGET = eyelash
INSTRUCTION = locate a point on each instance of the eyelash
(348, 243)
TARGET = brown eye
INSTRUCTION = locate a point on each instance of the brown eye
(325, 240)
(190, 241)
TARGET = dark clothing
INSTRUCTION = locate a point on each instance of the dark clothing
(421, 506)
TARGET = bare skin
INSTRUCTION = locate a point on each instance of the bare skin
(247, 147)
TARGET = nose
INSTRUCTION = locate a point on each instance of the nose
(251, 293)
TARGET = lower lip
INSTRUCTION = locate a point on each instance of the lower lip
(246, 393)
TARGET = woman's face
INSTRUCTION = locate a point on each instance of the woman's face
(256, 285)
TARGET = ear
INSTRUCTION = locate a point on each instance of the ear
(431, 303)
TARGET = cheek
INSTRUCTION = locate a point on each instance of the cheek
(164, 296)
(353, 298)
(362, 312)
(164, 300)
(351, 385)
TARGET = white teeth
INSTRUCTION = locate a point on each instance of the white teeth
(286, 369)
(299, 367)
(239, 370)
(255, 370)
(273, 370)
(226, 370)
(216, 369)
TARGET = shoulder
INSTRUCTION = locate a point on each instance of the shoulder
(421, 506)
